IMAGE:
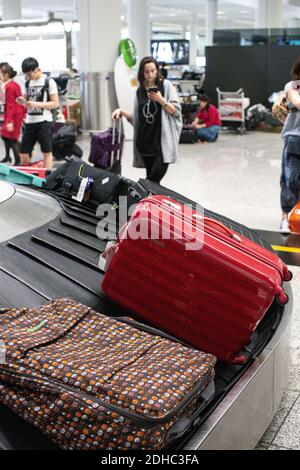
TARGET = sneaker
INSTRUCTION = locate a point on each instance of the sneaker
(6, 160)
(285, 227)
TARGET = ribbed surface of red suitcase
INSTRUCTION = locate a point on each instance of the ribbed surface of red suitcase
(212, 298)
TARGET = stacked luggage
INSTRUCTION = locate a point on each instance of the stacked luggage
(100, 186)
(93, 382)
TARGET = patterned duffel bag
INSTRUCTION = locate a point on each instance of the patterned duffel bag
(92, 382)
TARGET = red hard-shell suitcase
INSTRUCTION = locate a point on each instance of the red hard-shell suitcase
(212, 298)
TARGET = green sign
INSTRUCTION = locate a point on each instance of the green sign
(128, 51)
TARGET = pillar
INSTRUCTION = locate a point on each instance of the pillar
(139, 26)
(269, 14)
(193, 40)
(11, 10)
(76, 35)
(211, 18)
(100, 34)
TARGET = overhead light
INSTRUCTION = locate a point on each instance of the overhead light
(68, 25)
(76, 27)
(71, 26)
(10, 31)
(27, 29)
(52, 27)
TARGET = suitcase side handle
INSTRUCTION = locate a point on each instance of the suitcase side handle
(225, 229)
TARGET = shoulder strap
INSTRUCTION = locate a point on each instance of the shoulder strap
(47, 86)
(47, 83)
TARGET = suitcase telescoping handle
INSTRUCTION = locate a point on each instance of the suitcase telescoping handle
(206, 220)
(225, 229)
(119, 135)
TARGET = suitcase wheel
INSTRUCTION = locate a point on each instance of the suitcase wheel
(282, 299)
(239, 360)
(289, 276)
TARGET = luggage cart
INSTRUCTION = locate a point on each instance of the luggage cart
(232, 106)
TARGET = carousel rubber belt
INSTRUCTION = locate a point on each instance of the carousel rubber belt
(75, 271)
(40, 280)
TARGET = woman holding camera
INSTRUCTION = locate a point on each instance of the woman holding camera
(157, 121)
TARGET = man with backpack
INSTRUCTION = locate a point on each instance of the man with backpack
(40, 100)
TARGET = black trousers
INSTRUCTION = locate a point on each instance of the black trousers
(15, 146)
(156, 168)
(290, 174)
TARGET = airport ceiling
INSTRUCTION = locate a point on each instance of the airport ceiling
(231, 13)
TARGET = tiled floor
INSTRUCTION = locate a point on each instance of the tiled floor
(238, 176)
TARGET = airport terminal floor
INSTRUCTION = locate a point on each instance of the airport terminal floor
(238, 176)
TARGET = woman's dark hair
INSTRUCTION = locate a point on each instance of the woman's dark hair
(144, 62)
(29, 65)
(205, 99)
(295, 72)
(6, 68)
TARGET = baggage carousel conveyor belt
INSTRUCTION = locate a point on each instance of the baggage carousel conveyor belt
(80, 209)
(226, 376)
(87, 208)
(15, 288)
(27, 437)
(79, 216)
(72, 249)
(40, 280)
(82, 226)
(50, 274)
(70, 233)
(17, 434)
(73, 270)
(45, 284)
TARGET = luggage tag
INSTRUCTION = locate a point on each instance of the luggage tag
(104, 262)
(84, 187)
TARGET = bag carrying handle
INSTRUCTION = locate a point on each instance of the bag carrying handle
(221, 226)
(206, 220)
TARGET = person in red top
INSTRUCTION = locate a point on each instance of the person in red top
(13, 114)
(207, 122)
